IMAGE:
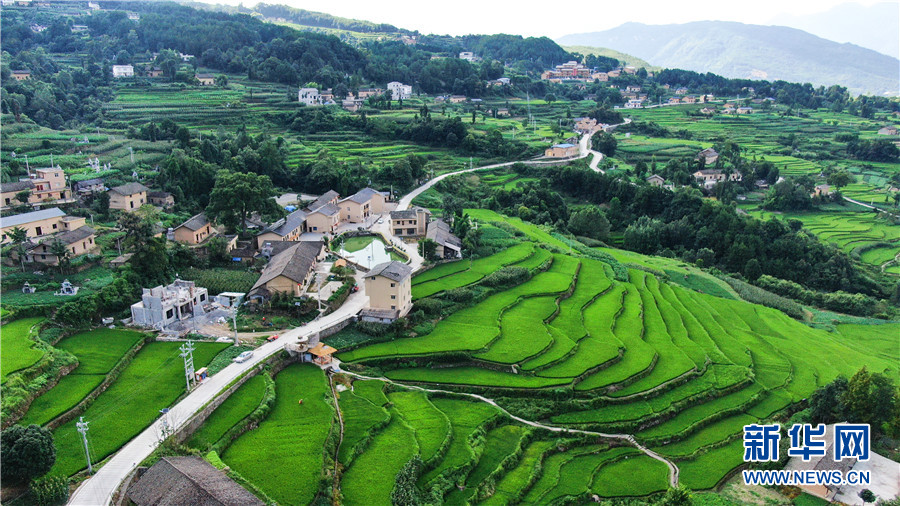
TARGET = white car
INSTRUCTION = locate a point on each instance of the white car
(243, 357)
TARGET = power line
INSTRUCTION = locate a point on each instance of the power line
(83, 429)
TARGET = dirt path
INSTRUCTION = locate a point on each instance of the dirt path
(673, 469)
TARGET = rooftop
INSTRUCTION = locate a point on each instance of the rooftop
(362, 196)
(394, 270)
(293, 263)
(68, 237)
(323, 199)
(327, 209)
(288, 224)
(196, 222)
(129, 189)
(188, 480)
(21, 219)
(408, 214)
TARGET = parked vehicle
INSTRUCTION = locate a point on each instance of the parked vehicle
(243, 357)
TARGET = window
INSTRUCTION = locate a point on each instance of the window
(131, 202)
(54, 226)
(73, 250)
(43, 257)
(393, 307)
(7, 201)
(202, 297)
(38, 231)
(170, 313)
(393, 285)
(393, 297)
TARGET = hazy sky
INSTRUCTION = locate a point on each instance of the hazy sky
(553, 19)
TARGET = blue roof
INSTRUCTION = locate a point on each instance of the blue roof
(566, 145)
(21, 219)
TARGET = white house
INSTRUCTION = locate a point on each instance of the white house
(163, 305)
(309, 96)
(122, 71)
(399, 91)
(467, 55)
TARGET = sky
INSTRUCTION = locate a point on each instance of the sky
(553, 19)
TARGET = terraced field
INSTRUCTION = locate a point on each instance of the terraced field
(18, 346)
(681, 369)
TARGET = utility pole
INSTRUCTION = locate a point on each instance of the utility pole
(83, 429)
(130, 150)
(166, 428)
(187, 353)
(234, 323)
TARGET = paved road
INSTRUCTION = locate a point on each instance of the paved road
(99, 489)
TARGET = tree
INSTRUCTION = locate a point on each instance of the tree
(605, 143)
(452, 207)
(222, 80)
(151, 262)
(62, 253)
(840, 178)
(589, 222)
(867, 496)
(427, 249)
(550, 98)
(238, 194)
(679, 496)
(19, 237)
(218, 251)
(28, 452)
(23, 196)
(752, 269)
(138, 229)
(103, 203)
(405, 491)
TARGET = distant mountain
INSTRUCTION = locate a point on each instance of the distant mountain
(627, 59)
(875, 27)
(739, 50)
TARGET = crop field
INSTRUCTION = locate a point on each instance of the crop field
(290, 439)
(152, 381)
(97, 352)
(685, 359)
(449, 276)
(499, 443)
(362, 411)
(235, 408)
(18, 346)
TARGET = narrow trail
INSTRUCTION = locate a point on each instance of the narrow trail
(673, 469)
(895, 260)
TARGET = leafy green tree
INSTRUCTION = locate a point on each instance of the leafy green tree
(867, 496)
(49, 491)
(679, 496)
(151, 262)
(103, 204)
(23, 196)
(27, 453)
(238, 194)
(589, 222)
(840, 178)
(870, 398)
(427, 249)
(405, 492)
(222, 80)
(19, 238)
(217, 247)
(550, 98)
(137, 227)
(62, 254)
(605, 143)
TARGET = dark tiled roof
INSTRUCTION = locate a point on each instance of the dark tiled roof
(408, 214)
(323, 199)
(159, 195)
(327, 210)
(288, 224)
(205, 76)
(17, 186)
(395, 270)
(196, 222)
(188, 480)
(439, 232)
(293, 263)
(362, 196)
(129, 189)
(77, 185)
(68, 237)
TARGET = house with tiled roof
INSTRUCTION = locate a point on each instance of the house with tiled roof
(288, 228)
(389, 288)
(187, 480)
(358, 207)
(77, 242)
(448, 245)
(195, 230)
(289, 271)
(128, 197)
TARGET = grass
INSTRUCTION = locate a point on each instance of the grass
(518, 477)
(477, 269)
(370, 479)
(292, 436)
(430, 425)
(637, 475)
(238, 406)
(360, 415)
(97, 352)
(18, 346)
(465, 417)
(706, 470)
(152, 381)
(499, 443)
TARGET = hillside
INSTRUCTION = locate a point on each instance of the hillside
(751, 51)
(862, 25)
(626, 59)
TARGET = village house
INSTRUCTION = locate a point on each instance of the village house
(128, 197)
(448, 245)
(681, 91)
(632, 88)
(709, 156)
(290, 270)
(21, 75)
(411, 222)
(325, 219)
(163, 305)
(821, 190)
(155, 72)
(78, 241)
(709, 177)
(205, 79)
(409, 40)
(468, 56)
(707, 111)
(706, 98)
(327, 96)
(824, 463)
(744, 110)
(187, 480)
(122, 71)
(368, 92)
(162, 199)
(656, 180)
(456, 99)
(389, 288)
(37, 224)
(288, 228)
(674, 100)
(194, 231)
(689, 100)
(88, 186)
(564, 150)
(888, 130)
(634, 104)
(352, 104)
(399, 91)
(571, 70)
(329, 197)
(45, 185)
(309, 97)
(614, 73)
(600, 77)
(585, 125)
(358, 207)
(502, 111)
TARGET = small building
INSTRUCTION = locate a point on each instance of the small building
(352, 104)
(681, 91)
(288, 228)
(411, 222)
(468, 56)
(399, 91)
(45, 185)
(674, 100)
(128, 197)
(709, 177)
(290, 270)
(706, 98)
(689, 100)
(709, 156)
(707, 111)
(122, 71)
(585, 125)
(564, 150)
(448, 245)
(745, 110)
(502, 111)
(21, 75)
(456, 99)
(634, 103)
(324, 219)
(78, 242)
(162, 199)
(163, 305)
(187, 480)
(656, 180)
(822, 190)
(368, 92)
(322, 353)
(155, 72)
(88, 186)
(358, 207)
(195, 230)
(389, 288)
(822, 464)
(309, 97)
(205, 79)
(888, 130)
(329, 197)
(37, 224)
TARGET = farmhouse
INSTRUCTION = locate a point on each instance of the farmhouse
(389, 288)
(502, 111)
(709, 156)
(888, 130)
(368, 92)
(206, 79)
(456, 99)
(634, 104)
(21, 75)
(188, 480)
(358, 207)
(822, 190)
(710, 177)
(78, 241)
(681, 91)
(674, 100)
(352, 104)
(744, 110)
(309, 97)
(163, 305)
(290, 270)
(10, 190)
(162, 199)
(411, 222)
(467, 55)
(288, 228)
(825, 463)
(399, 91)
(40, 223)
(154, 72)
(689, 100)
(448, 245)
(128, 197)
(194, 230)
(707, 111)
(564, 150)
(88, 186)
(122, 71)
(44, 185)
(329, 197)
(325, 219)
(656, 180)
(585, 125)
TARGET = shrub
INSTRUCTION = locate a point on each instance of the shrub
(431, 307)
(28, 452)
(49, 490)
(460, 295)
(507, 276)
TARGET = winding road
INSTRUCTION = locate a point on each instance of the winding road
(99, 488)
